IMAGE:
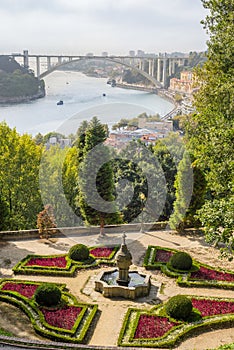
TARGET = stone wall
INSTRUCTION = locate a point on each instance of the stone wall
(32, 234)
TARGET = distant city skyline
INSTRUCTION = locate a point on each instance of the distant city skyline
(79, 27)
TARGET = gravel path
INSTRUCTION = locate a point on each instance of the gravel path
(113, 311)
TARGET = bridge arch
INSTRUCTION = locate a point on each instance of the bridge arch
(155, 82)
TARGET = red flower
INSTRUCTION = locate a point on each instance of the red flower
(208, 274)
(209, 307)
(150, 326)
(24, 289)
(62, 318)
(57, 261)
(163, 256)
(101, 252)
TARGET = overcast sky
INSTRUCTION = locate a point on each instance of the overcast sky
(115, 26)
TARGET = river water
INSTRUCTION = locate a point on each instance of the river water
(83, 98)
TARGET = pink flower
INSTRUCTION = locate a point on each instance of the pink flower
(62, 318)
(24, 289)
(163, 255)
(208, 274)
(101, 252)
(57, 261)
(209, 307)
(150, 326)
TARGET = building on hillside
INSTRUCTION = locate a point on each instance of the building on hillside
(120, 139)
(55, 140)
(161, 126)
(185, 85)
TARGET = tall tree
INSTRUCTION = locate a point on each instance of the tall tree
(19, 181)
(95, 179)
(211, 130)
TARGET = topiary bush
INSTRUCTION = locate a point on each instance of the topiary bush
(79, 252)
(48, 294)
(179, 307)
(180, 261)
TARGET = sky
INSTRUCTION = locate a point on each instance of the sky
(116, 26)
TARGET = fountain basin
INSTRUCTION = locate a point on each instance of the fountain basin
(138, 286)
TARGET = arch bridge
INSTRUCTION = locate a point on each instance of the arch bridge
(155, 68)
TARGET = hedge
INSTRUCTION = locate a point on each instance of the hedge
(175, 335)
(81, 325)
(184, 278)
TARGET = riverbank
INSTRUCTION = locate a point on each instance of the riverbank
(21, 99)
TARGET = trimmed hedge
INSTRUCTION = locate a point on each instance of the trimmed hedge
(48, 294)
(177, 333)
(180, 261)
(79, 252)
(68, 271)
(184, 278)
(80, 328)
(179, 307)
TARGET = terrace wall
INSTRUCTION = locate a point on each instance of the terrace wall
(82, 231)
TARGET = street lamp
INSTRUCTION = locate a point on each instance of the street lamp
(142, 198)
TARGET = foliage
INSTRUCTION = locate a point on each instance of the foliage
(200, 275)
(95, 179)
(179, 307)
(210, 132)
(180, 261)
(70, 182)
(79, 252)
(57, 178)
(217, 218)
(184, 188)
(16, 81)
(169, 152)
(48, 294)
(19, 181)
(154, 329)
(69, 321)
(63, 265)
(46, 222)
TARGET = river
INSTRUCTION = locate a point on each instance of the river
(83, 98)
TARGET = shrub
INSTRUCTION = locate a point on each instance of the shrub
(48, 295)
(79, 252)
(181, 261)
(179, 307)
(46, 222)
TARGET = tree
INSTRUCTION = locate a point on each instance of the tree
(70, 180)
(46, 222)
(95, 179)
(210, 132)
(54, 184)
(19, 181)
(184, 188)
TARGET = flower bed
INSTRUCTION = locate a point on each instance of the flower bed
(208, 307)
(69, 322)
(150, 326)
(205, 273)
(155, 329)
(200, 275)
(64, 318)
(25, 289)
(163, 256)
(62, 265)
(56, 261)
(102, 252)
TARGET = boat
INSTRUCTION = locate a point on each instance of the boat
(59, 103)
(103, 94)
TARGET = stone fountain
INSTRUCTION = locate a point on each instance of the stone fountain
(121, 282)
